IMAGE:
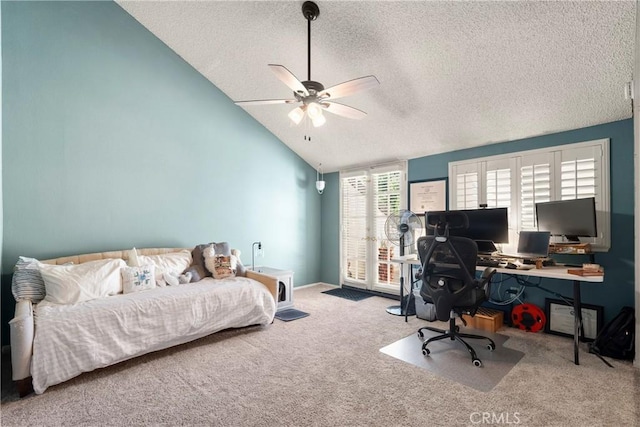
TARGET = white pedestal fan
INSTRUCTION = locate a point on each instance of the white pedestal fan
(401, 229)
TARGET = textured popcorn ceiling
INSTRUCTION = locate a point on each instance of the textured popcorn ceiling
(452, 74)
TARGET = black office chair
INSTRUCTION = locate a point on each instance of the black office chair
(448, 278)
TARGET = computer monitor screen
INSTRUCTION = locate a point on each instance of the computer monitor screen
(484, 225)
(570, 218)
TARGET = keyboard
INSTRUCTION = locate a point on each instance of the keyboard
(487, 262)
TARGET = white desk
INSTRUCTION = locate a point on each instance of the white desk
(554, 272)
(560, 273)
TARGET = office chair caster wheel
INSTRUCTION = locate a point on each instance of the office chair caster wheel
(425, 351)
(477, 363)
(491, 346)
(420, 334)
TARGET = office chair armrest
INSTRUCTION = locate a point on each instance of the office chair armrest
(485, 279)
(487, 274)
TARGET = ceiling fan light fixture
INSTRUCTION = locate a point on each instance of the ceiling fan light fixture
(318, 120)
(314, 110)
(296, 115)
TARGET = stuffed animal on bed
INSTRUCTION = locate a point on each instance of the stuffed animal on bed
(173, 279)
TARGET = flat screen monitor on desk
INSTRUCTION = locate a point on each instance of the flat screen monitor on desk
(569, 218)
(486, 227)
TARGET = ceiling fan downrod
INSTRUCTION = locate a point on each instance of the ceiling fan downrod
(310, 11)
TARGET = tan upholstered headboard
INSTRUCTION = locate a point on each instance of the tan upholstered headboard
(123, 254)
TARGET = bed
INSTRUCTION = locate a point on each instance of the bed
(52, 343)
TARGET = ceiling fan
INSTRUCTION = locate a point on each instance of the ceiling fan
(312, 95)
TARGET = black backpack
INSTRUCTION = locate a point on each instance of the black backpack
(617, 338)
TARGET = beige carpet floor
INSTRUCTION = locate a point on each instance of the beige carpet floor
(327, 370)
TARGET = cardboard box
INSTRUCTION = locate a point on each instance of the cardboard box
(485, 319)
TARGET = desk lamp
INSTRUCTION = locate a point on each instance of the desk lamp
(253, 252)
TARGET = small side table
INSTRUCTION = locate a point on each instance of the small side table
(285, 285)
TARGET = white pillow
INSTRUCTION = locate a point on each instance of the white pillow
(70, 284)
(173, 263)
(133, 258)
(136, 279)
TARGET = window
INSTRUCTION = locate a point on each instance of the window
(520, 180)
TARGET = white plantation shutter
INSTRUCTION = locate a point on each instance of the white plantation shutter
(584, 172)
(354, 230)
(368, 197)
(498, 184)
(387, 195)
(466, 186)
(577, 179)
(386, 191)
(467, 195)
(520, 180)
(499, 188)
(501, 192)
(535, 187)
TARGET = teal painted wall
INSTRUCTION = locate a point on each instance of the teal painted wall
(618, 288)
(112, 141)
(1, 210)
(5, 294)
(330, 219)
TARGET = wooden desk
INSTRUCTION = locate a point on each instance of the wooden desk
(551, 272)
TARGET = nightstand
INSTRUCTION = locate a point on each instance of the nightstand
(285, 285)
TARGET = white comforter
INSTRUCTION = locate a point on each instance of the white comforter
(71, 339)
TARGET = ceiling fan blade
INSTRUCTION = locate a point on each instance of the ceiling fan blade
(288, 78)
(344, 110)
(350, 87)
(266, 101)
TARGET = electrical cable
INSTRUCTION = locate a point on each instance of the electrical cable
(524, 283)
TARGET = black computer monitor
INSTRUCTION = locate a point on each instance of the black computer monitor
(485, 225)
(569, 218)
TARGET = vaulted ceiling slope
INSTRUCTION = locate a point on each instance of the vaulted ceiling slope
(452, 74)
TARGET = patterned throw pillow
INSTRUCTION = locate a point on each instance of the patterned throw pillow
(27, 283)
(199, 269)
(221, 266)
(224, 267)
(136, 279)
